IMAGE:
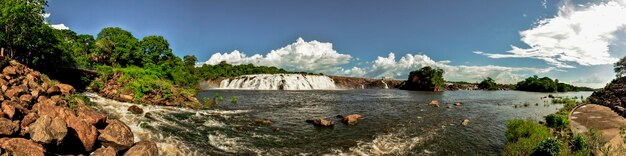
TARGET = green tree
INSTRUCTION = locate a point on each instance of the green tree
(118, 47)
(488, 84)
(426, 78)
(190, 60)
(22, 24)
(155, 49)
(620, 67)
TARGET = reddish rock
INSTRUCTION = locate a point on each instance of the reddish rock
(91, 116)
(8, 127)
(54, 90)
(126, 98)
(9, 70)
(104, 151)
(8, 109)
(117, 135)
(22, 147)
(13, 92)
(26, 98)
(65, 88)
(143, 148)
(49, 108)
(264, 122)
(85, 132)
(321, 122)
(352, 119)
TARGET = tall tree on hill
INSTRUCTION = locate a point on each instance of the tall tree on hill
(155, 49)
(118, 47)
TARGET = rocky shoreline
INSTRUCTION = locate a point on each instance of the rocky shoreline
(612, 96)
(43, 117)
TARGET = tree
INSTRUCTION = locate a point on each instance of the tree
(190, 60)
(155, 49)
(426, 78)
(620, 68)
(118, 47)
(21, 23)
(488, 84)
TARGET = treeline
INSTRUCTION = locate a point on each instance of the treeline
(224, 69)
(545, 84)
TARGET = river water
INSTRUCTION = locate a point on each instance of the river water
(397, 122)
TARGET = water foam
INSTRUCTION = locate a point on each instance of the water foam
(279, 82)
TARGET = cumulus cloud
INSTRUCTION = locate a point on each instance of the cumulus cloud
(313, 56)
(579, 34)
(318, 57)
(389, 67)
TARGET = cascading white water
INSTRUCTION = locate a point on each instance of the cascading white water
(279, 82)
(386, 86)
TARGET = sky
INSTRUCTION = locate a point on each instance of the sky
(575, 41)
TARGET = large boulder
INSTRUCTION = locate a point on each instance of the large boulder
(22, 147)
(9, 70)
(82, 130)
(46, 130)
(104, 151)
(143, 148)
(91, 116)
(13, 92)
(8, 127)
(434, 103)
(8, 109)
(117, 135)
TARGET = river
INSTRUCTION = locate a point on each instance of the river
(397, 122)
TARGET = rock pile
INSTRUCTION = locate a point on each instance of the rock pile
(612, 96)
(43, 117)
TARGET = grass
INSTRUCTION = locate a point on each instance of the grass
(523, 136)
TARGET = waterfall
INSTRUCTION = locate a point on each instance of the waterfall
(279, 82)
(386, 86)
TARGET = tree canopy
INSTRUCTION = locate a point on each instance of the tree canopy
(488, 84)
(545, 84)
(426, 78)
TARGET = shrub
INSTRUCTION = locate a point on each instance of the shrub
(557, 121)
(579, 144)
(522, 136)
(548, 146)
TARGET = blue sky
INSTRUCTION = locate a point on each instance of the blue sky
(470, 39)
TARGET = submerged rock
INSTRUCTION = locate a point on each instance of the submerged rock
(465, 122)
(321, 122)
(264, 122)
(433, 103)
(135, 110)
(351, 119)
(143, 148)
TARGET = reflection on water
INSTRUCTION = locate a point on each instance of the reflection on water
(396, 122)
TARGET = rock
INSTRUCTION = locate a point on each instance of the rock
(447, 106)
(65, 88)
(82, 130)
(135, 110)
(458, 103)
(54, 90)
(264, 122)
(8, 127)
(117, 135)
(9, 70)
(13, 92)
(8, 109)
(321, 122)
(465, 122)
(143, 148)
(434, 103)
(26, 98)
(126, 98)
(91, 116)
(48, 107)
(352, 119)
(22, 147)
(28, 119)
(104, 151)
(45, 130)
(277, 130)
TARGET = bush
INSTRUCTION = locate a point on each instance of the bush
(557, 121)
(523, 136)
(548, 146)
(579, 144)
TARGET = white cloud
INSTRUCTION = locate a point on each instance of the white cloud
(389, 67)
(313, 56)
(55, 26)
(318, 57)
(577, 34)
(59, 26)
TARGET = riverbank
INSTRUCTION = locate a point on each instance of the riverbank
(602, 119)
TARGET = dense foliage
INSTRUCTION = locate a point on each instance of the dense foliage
(545, 84)
(426, 78)
(488, 84)
(523, 136)
(224, 69)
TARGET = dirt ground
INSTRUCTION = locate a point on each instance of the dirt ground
(600, 118)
